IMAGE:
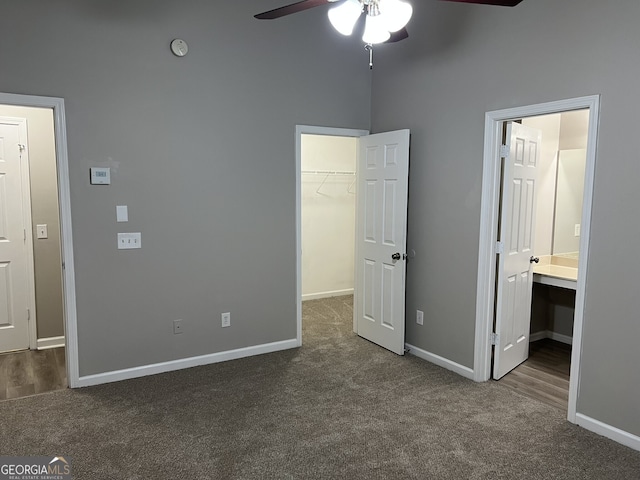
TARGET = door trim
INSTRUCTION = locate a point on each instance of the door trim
(311, 130)
(488, 233)
(64, 199)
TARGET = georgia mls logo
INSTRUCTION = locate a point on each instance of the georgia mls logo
(59, 463)
(35, 468)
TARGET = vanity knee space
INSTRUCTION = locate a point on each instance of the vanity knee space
(552, 312)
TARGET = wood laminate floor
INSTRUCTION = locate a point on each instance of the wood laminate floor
(32, 371)
(545, 374)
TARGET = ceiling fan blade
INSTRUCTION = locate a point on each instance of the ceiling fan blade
(502, 3)
(397, 36)
(293, 8)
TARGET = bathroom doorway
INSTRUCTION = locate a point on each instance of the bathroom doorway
(560, 169)
(490, 248)
(546, 372)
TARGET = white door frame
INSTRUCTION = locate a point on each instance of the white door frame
(68, 269)
(311, 130)
(489, 227)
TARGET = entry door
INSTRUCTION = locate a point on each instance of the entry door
(14, 260)
(383, 175)
(515, 271)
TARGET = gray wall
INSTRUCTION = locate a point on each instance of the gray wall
(464, 60)
(202, 150)
(44, 210)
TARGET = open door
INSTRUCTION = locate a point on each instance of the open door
(381, 231)
(16, 306)
(515, 271)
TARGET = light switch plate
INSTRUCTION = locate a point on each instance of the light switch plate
(41, 231)
(100, 175)
(122, 213)
(127, 241)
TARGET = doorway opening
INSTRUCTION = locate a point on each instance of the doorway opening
(555, 230)
(38, 229)
(574, 256)
(31, 324)
(328, 224)
(381, 192)
(326, 160)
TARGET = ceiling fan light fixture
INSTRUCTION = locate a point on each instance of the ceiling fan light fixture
(375, 30)
(344, 16)
(396, 14)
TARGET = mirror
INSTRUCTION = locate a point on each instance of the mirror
(568, 206)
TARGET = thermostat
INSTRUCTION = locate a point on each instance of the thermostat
(100, 176)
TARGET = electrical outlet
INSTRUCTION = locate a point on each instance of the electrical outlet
(41, 231)
(576, 230)
(419, 317)
(226, 319)
(177, 326)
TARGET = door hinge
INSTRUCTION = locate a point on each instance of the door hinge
(22, 147)
(504, 151)
(494, 338)
(499, 248)
(24, 230)
(28, 314)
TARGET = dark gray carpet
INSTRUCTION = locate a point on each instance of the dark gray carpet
(339, 407)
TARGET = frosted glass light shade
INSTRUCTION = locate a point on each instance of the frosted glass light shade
(344, 16)
(396, 14)
(375, 30)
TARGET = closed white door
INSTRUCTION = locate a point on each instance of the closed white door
(515, 271)
(379, 296)
(15, 227)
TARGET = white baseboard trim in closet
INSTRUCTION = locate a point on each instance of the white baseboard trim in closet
(333, 293)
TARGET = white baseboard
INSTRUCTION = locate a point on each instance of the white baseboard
(615, 434)
(558, 337)
(156, 368)
(441, 361)
(333, 293)
(50, 342)
(534, 337)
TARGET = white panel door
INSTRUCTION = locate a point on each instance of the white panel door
(379, 294)
(14, 262)
(515, 271)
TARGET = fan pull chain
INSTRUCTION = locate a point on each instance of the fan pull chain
(369, 47)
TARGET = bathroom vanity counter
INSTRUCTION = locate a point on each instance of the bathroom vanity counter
(557, 271)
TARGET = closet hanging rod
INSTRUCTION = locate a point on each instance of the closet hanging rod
(329, 172)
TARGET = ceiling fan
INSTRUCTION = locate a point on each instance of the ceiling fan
(385, 20)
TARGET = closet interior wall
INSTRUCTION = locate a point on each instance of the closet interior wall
(328, 215)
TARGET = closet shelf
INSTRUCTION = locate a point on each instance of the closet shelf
(328, 172)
